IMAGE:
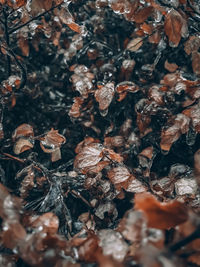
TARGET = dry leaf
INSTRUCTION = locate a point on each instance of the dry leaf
(170, 66)
(24, 130)
(22, 145)
(135, 44)
(174, 23)
(160, 215)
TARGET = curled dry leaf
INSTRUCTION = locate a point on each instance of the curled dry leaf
(24, 130)
(124, 87)
(21, 145)
(104, 95)
(180, 125)
(160, 215)
(51, 143)
(75, 109)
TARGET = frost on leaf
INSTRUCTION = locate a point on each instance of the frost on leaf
(180, 125)
(113, 244)
(175, 27)
(160, 215)
(133, 226)
(47, 222)
(104, 95)
(89, 156)
(186, 186)
(51, 143)
(118, 175)
(124, 87)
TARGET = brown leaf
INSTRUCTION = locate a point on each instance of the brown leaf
(170, 66)
(89, 156)
(173, 26)
(17, 3)
(196, 62)
(87, 251)
(14, 235)
(180, 125)
(47, 222)
(192, 44)
(52, 141)
(160, 215)
(75, 109)
(135, 44)
(142, 14)
(21, 145)
(104, 95)
(24, 130)
(119, 174)
(115, 141)
(23, 45)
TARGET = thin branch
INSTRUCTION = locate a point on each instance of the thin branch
(186, 240)
(35, 18)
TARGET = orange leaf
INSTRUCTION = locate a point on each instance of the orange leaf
(161, 215)
(174, 24)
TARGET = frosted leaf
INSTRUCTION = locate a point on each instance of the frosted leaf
(172, 134)
(135, 186)
(89, 156)
(186, 186)
(104, 95)
(118, 175)
(113, 244)
(133, 226)
(108, 208)
(52, 141)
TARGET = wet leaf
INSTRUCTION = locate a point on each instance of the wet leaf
(161, 215)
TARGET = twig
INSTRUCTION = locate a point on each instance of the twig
(35, 18)
(186, 240)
